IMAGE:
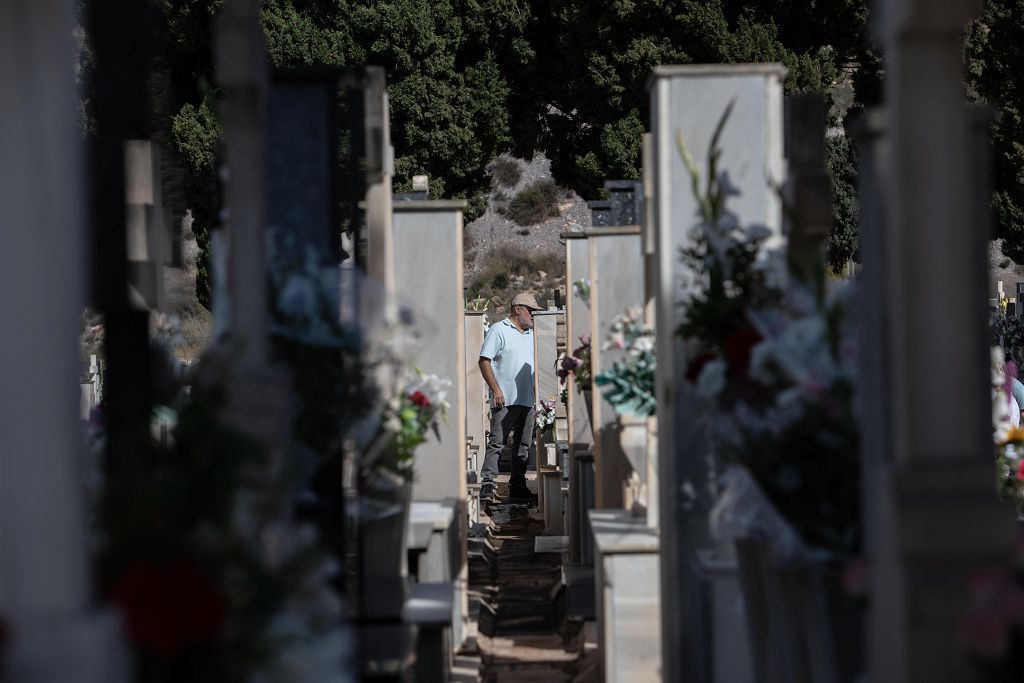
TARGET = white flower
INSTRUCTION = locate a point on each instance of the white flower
(711, 380)
(644, 344)
(1000, 414)
(433, 387)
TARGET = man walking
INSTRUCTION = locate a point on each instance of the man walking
(506, 363)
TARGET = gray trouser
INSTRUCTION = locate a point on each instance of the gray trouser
(516, 421)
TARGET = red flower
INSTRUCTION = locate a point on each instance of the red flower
(738, 346)
(169, 607)
(420, 399)
(1020, 471)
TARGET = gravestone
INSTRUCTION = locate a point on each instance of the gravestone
(545, 354)
(577, 324)
(600, 213)
(302, 162)
(616, 284)
(428, 260)
(691, 100)
(625, 201)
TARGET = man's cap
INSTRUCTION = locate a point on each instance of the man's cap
(526, 299)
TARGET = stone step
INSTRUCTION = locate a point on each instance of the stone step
(523, 631)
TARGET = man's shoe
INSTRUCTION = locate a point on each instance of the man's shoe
(522, 494)
(487, 492)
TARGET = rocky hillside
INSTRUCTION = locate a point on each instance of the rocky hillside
(515, 245)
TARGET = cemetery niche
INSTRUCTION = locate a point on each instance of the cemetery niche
(746, 467)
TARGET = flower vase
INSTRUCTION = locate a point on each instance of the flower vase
(384, 505)
(633, 442)
(802, 627)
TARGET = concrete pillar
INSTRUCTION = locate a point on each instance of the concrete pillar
(147, 239)
(691, 100)
(242, 75)
(616, 284)
(379, 164)
(45, 589)
(937, 519)
(808, 189)
(428, 273)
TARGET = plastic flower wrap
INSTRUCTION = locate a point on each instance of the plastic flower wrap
(629, 385)
(795, 425)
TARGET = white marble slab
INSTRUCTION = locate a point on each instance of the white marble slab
(618, 531)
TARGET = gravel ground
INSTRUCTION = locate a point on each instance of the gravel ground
(494, 232)
(1003, 269)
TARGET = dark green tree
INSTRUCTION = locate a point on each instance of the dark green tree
(470, 79)
(994, 53)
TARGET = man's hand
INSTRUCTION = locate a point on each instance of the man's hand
(488, 374)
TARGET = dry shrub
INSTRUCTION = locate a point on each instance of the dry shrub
(506, 271)
(196, 326)
(505, 172)
(533, 204)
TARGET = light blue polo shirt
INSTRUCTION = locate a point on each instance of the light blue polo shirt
(511, 354)
(1017, 389)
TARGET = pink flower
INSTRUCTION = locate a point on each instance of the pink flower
(1020, 470)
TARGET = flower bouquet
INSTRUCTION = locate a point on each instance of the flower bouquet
(577, 365)
(629, 384)
(407, 420)
(545, 417)
(1008, 439)
(772, 354)
(776, 361)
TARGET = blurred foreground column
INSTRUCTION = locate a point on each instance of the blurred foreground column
(44, 582)
(937, 519)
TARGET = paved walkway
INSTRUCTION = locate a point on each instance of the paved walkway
(524, 634)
